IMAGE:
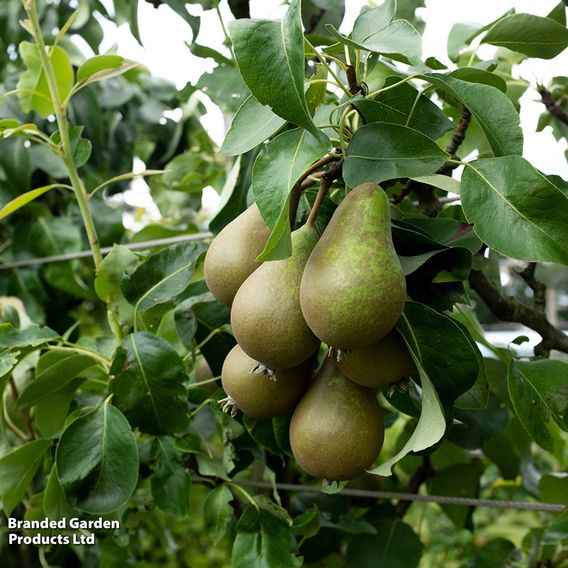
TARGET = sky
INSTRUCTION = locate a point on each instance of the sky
(166, 55)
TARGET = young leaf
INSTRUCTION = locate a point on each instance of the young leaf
(97, 461)
(371, 21)
(515, 209)
(252, 124)
(381, 151)
(460, 37)
(531, 35)
(217, 512)
(270, 56)
(25, 198)
(33, 81)
(170, 481)
(162, 276)
(539, 393)
(493, 110)
(97, 64)
(275, 171)
(148, 384)
(30, 337)
(17, 470)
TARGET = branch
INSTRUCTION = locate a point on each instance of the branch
(538, 288)
(509, 309)
(552, 106)
(459, 134)
(424, 472)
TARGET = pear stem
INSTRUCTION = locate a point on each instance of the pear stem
(326, 182)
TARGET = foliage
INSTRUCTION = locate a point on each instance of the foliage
(102, 414)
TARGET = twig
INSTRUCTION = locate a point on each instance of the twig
(459, 134)
(296, 191)
(538, 288)
(509, 309)
(326, 182)
(423, 472)
(552, 106)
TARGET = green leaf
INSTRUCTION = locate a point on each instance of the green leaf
(217, 512)
(553, 488)
(34, 82)
(460, 37)
(162, 276)
(276, 169)
(118, 262)
(97, 461)
(55, 377)
(493, 110)
(515, 209)
(382, 151)
(80, 147)
(270, 56)
(531, 35)
(54, 503)
(445, 183)
(25, 198)
(444, 350)
(460, 480)
(96, 64)
(398, 40)
(370, 21)
(148, 384)
(17, 470)
(170, 482)
(558, 13)
(395, 545)
(497, 553)
(539, 393)
(263, 541)
(32, 336)
(51, 412)
(405, 105)
(253, 124)
(432, 423)
(205, 51)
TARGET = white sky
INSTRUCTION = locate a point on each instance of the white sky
(165, 54)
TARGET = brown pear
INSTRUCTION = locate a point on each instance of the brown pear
(231, 257)
(337, 428)
(266, 317)
(379, 364)
(258, 394)
(353, 287)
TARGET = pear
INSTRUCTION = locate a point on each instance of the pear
(266, 317)
(231, 257)
(353, 287)
(378, 364)
(203, 373)
(337, 429)
(257, 394)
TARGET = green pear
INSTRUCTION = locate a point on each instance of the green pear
(353, 288)
(231, 257)
(203, 373)
(255, 393)
(337, 428)
(266, 317)
(379, 364)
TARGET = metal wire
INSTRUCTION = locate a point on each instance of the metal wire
(105, 250)
(440, 499)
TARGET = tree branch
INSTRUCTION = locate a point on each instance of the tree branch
(509, 309)
(552, 106)
(459, 134)
(326, 182)
(538, 288)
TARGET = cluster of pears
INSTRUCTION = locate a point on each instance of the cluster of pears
(345, 289)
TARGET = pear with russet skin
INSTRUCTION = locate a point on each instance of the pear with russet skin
(231, 257)
(353, 287)
(337, 428)
(266, 317)
(257, 394)
(379, 364)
